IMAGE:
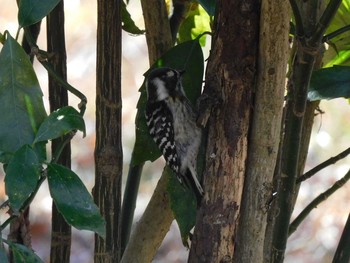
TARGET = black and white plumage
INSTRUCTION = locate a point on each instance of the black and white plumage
(171, 120)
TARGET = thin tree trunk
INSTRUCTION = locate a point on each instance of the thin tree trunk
(265, 134)
(108, 149)
(158, 215)
(58, 97)
(151, 228)
(229, 80)
(308, 46)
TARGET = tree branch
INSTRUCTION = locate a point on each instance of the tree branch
(322, 197)
(159, 40)
(308, 48)
(299, 27)
(336, 33)
(342, 254)
(324, 21)
(265, 131)
(323, 165)
(152, 227)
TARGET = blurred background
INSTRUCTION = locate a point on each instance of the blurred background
(316, 239)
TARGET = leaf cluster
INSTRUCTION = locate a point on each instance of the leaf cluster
(26, 129)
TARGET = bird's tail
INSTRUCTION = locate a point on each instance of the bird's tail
(191, 180)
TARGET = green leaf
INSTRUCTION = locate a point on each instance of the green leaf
(330, 83)
(23, 254)
(339, 46)
(59, 123)
(21, 105)
(209, 6)
(73, 200)
(32, 11)
(183, 204)
(128, 24)
(340, 58)
(187, 56)
(22, 175)
(196, 23)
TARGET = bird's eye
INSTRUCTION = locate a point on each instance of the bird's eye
(170, 74)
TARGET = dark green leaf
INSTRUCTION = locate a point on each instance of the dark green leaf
(32, 11)
(196, 23)
(73, 200)
(183, 204)
(59, 123)
(187, 56)
(23, 254)
(209, 6)
(22, 175)
(21, 105)
(128, 24)
(330, 83)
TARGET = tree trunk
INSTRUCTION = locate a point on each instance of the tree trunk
(265, 133)
(58, 96)
(158, 38)
(230, 81)
(108, 149)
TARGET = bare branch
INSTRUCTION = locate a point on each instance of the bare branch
(322, 197)
(323, 165)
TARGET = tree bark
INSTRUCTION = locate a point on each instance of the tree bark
(158, 34)
(158, 37)
(230, 80)
(158, 216)
(265, 133)
(108, 149)
(58, 97)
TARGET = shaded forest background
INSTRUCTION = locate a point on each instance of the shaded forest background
(323, 227)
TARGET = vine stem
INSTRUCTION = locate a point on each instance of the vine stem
(26, 203)
(66, 85)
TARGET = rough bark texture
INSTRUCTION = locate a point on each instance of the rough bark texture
(58, 96)
(157, 25)
(108, 149)
(265, 133)
(230, 80)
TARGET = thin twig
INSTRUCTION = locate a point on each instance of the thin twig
(66, 85)
(4, 204)
(325, 20)
(322, 197)
(26, 203)
(42, 57)
(65, 140)
(323, 165)
(336, 33)
(299, 26)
